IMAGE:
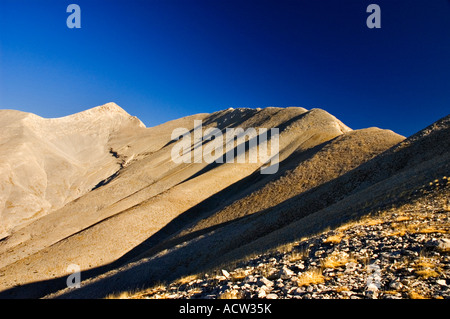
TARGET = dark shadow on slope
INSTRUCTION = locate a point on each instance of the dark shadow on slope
(223, 120)
(106, 180)
(40, 289)
(209, 206)
(233, 153)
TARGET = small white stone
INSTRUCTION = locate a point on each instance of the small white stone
(286, 273)
(441, 282)
(226, 273)
(262, 293)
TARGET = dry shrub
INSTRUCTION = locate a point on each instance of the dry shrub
(311, 277)
(186, 279)
(336, 260)
(232, 294)
(334, 239)
(416, 295)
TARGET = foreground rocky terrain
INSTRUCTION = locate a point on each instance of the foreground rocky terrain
(400, 253)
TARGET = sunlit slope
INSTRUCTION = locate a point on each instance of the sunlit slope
(46, 163)
(147, 192)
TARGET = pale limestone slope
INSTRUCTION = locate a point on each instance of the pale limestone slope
(46, 163)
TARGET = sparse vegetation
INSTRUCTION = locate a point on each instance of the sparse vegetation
(415, 295)
(333, 239)
(311, 277)
(336, 260)
(186, 279)
(233, 294)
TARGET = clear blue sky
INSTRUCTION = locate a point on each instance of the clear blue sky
(164, 59)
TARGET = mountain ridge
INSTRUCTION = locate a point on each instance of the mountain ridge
(144, 211)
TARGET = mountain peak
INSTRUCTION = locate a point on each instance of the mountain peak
(110, 109)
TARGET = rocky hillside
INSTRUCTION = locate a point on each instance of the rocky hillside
(398, 253)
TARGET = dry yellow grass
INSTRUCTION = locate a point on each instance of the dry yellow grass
(334, 239)
(415, 295)
(426, 267)
(311, 277)
(342, 288)
(156, 291)
(399, 233)
(238, 275)
(186, 279)
(297, 256)
(425, 264)
(402, 218)
(336, 260)
(233, 294)
(431, 229)
(121, 295)
(373, 222)
(427, 273)
(361, 221)
(400, 229)
(195, 290)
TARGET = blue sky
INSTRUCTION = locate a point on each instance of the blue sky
(164, 59)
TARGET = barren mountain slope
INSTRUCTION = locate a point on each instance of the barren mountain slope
(396, 177)
(146, 193)
(46, 163)
(391, 178)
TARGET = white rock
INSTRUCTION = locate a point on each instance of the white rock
(443, 244)
(372, 287)
(396, 285)
(265, 282)
(261, 293)
(226, 273)
(441, 282)
(350, 267)
(286, 273)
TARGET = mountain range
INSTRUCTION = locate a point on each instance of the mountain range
(100, 190)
